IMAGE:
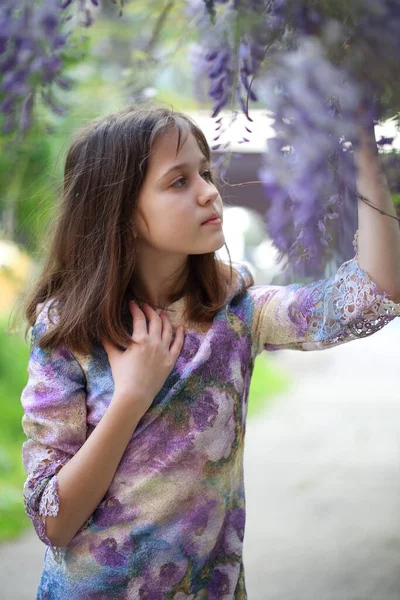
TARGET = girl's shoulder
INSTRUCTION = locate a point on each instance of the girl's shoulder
(47, 312)
(242, 280)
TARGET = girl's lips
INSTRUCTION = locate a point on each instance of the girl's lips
(215, 221)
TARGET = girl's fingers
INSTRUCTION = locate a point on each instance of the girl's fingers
(167, 329)
(139, 319)
(111, 350)
(155, 323)
(160, 327)
(178, 342)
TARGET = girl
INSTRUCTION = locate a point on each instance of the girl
(142, 350)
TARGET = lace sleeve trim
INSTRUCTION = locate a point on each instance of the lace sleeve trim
(355, 243)
(42, 500)
(355, 301)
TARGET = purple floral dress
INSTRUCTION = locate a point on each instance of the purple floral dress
(171, 524)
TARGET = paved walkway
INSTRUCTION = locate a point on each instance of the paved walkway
(322, 470)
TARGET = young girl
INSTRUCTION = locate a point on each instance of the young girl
(142, 350)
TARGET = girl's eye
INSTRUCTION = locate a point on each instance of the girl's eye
(207, 174)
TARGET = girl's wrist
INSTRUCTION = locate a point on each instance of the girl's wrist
(127, 406)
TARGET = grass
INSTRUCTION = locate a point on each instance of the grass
(266, 383)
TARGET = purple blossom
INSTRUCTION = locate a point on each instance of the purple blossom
(33, 39)
(309, 163)
(32, 45)
(226, 68)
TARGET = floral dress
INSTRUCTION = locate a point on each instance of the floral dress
(172, 522)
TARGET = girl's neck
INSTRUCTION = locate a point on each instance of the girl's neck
(156, 287)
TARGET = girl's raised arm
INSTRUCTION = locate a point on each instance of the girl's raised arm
(322, 314)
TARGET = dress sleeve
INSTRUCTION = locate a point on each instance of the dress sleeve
(54, 422)
(322, 314)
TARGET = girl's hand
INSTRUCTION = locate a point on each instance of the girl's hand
(140, 371)
(366, 133)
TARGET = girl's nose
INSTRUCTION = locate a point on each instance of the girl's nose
(207, 193)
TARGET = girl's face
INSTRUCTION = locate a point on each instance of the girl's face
(174, 201)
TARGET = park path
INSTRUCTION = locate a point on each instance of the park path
(322, 473)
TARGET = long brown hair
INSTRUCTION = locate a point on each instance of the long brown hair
(89, 266)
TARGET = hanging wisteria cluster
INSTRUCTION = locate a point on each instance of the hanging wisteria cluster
(229, 66)
(311, 63)
(34, 38)
(320, 62)
(309, 161)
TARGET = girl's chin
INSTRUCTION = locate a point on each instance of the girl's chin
(211, 247)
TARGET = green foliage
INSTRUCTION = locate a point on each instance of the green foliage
(14, 355)
(267, 382)
(27, 185)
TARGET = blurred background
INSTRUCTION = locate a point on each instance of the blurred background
(322, 458)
